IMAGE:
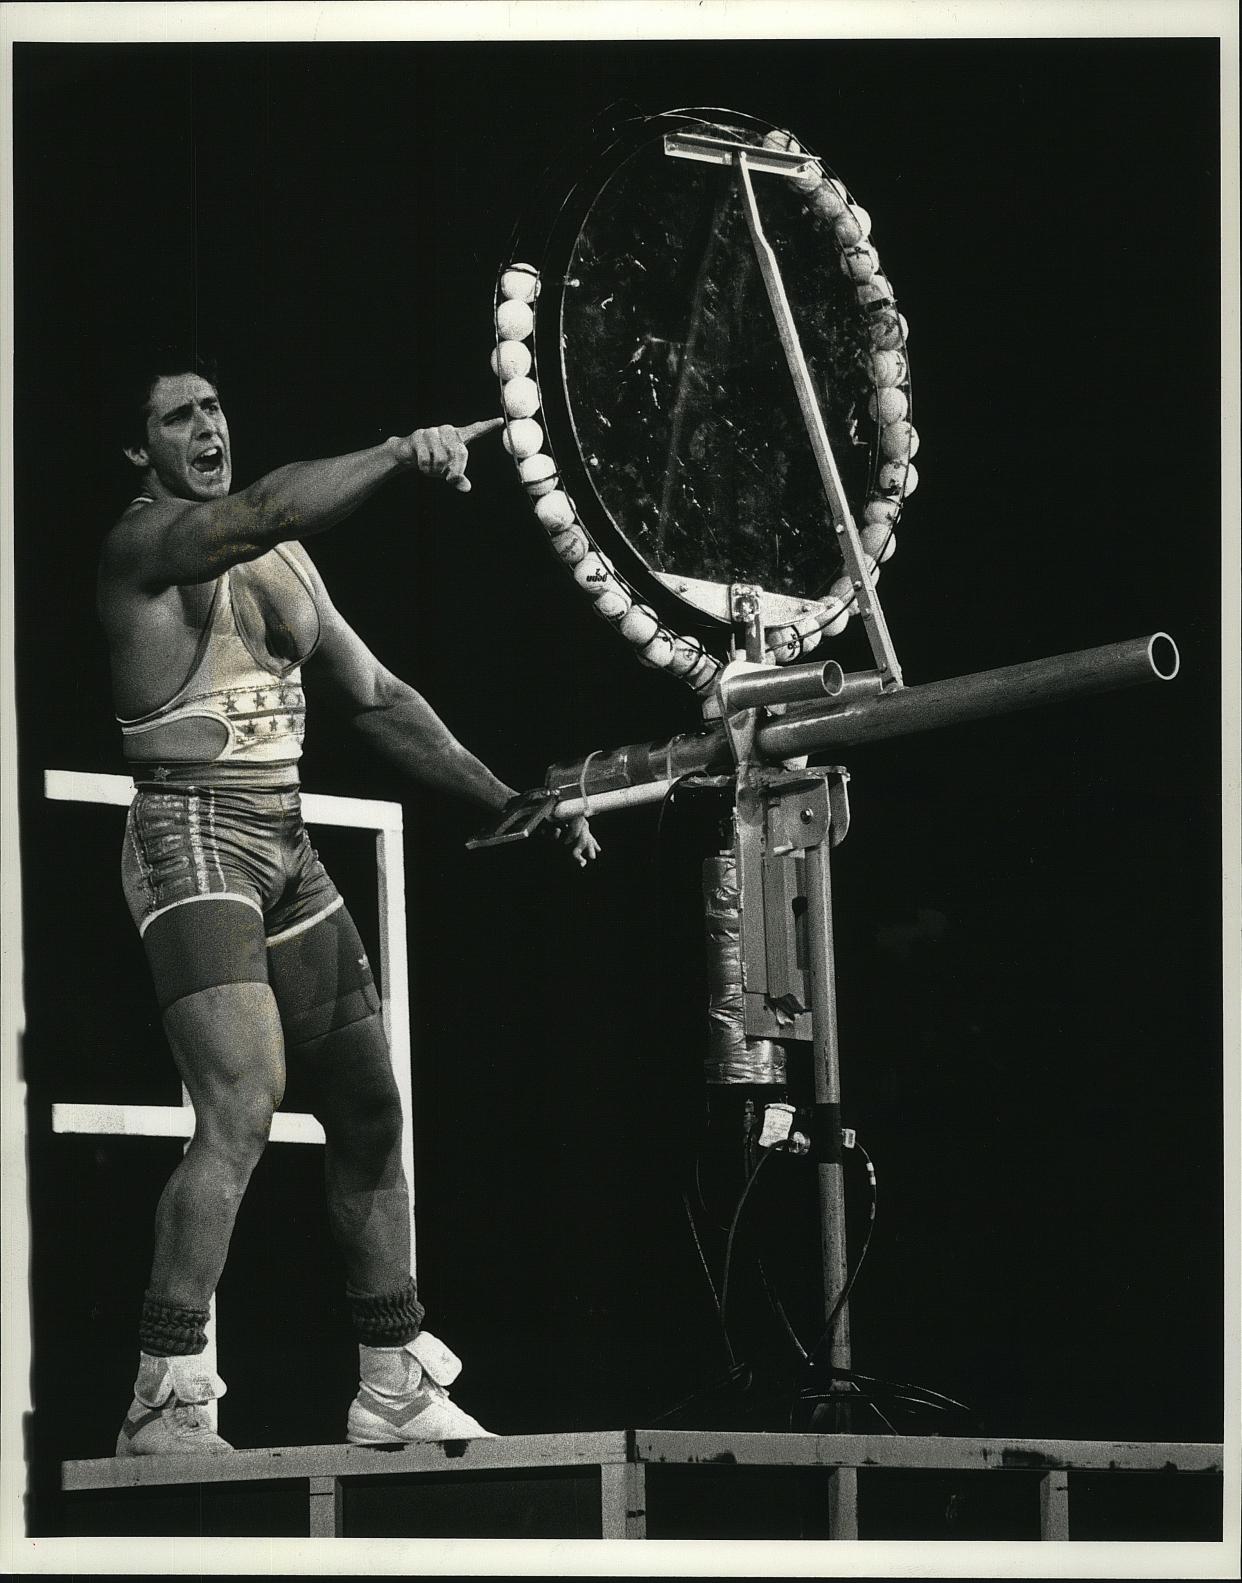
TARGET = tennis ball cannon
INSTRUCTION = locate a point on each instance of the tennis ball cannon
(705, 376)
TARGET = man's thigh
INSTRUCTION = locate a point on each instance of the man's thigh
(322, 980)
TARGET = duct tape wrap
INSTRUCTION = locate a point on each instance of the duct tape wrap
(731, 1056)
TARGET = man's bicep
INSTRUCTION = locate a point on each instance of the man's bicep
(170, 544)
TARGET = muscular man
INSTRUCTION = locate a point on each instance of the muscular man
(211, 608)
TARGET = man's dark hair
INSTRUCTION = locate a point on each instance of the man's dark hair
(139, 380)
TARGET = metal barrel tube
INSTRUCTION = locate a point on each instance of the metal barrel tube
(638, 763)
(907, 710)
(791, 684)
(862, 713)
(854, 685)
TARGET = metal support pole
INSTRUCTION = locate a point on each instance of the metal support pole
(820, 959)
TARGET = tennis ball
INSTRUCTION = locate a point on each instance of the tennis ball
(784, 644)
(899, 441)
(522, 438)
(888, 368)
(879, 540)
(807, 177)
(687, 656)
(592, 573)
(571, 545)
(509, 359)
(838, 617)
(899, 479)
(659, 652)
(888, 405)
(554, 510)
(783, 140)
(520, 283)
(639, 624)
(612, 601)
(860, 263)
(828, 201)
(853, 226)
(876, 289)
(514, 320)
(538, 473)
(881, 511)
(520, 397)
(884, 328)
(810, 629)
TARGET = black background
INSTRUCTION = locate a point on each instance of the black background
(1027, 910)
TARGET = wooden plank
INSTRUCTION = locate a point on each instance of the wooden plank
(351, 813)
(341, 1461)
(117, 791)
(843, 1503)
(623, 1500)
(167, 1121)
(923, 1451)
(395, 998)
(612, 1500)
(326, 1508)
(1054, 1505)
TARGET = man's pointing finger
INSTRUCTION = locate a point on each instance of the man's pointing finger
(472, 431)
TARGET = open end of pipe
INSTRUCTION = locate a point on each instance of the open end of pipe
(1162, 652)
(834, 678)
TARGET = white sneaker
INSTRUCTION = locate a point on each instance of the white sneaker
(402, 1398)
(170, 1415)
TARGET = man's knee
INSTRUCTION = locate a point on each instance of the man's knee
(355, 1093)
(235, 1127)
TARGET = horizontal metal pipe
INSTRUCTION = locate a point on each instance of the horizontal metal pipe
(778, 684)
(854, 685)
(607, 802)
(907, 710)
(639, 763)
(864, 714)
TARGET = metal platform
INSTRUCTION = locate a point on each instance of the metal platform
(620, 1459)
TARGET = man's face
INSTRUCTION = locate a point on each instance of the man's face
(187, 439)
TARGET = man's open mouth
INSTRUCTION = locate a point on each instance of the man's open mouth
(209, 461)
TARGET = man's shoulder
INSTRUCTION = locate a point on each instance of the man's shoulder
(126, 542)
(141, 514)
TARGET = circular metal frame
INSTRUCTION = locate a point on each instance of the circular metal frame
(669, 632)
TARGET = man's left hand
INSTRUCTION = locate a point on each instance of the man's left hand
(575, 834)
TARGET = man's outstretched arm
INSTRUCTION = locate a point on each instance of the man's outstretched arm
(194, 543)
(402, 726)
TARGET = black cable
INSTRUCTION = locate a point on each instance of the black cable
(737, 1372)
(737, 1216)
(694, 1232)
(875, 1408)
(779, 1309)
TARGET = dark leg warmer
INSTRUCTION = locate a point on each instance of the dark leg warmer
(167, 1330)
(389, 1319)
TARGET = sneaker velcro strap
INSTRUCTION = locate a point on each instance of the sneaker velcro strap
(439, 1363)
(193, 1381)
